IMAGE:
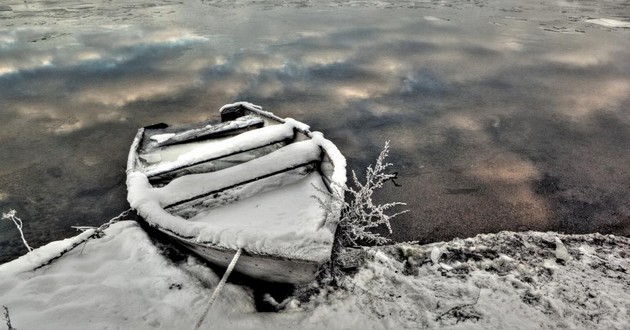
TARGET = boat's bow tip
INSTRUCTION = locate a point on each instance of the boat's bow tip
(238, 109)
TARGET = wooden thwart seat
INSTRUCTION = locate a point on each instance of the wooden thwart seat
(232, 151)
(279, 168)
(214, 131)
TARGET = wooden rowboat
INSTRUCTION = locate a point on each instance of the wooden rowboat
(246, 183)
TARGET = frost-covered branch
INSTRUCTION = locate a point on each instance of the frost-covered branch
(360, 215)
(18, 223)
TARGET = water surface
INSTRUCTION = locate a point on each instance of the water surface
(503, 115)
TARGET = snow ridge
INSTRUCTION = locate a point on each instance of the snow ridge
(493, 281)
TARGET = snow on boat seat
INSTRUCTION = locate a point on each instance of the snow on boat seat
(185, 195)
(210, 131)
(285, 221)
(232, 150)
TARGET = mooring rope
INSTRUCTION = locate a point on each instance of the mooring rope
(219, 287)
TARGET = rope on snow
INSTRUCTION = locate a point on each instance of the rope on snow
(219, 287)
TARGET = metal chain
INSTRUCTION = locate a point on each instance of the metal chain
(98, 232)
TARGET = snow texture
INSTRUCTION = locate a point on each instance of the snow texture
(293, 228)
(253, 107)
(159, 138)
(283, 222)
(495, 281)
(192, 185)
(339, 174)
(339, 161)
(119, 281)
(212, 149)
(41, 255)
(609, 22)
(300, 126)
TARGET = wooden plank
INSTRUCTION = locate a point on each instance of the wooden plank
(190, 207)
(215, 163)
(214, 131)
(260, 267)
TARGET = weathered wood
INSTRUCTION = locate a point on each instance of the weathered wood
(215, 163)
(156, 126)
(192, 206)
(261, 267)
(214, 131)
(232, 113)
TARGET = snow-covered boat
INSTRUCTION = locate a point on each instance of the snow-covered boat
(246, 183)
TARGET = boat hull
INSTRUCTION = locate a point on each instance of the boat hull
(262, 265)
(259, 267)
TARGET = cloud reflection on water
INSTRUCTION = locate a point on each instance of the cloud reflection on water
(492, 128)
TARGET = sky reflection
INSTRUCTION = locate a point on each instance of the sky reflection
(496, 121)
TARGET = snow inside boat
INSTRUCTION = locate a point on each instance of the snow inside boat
(246, 183)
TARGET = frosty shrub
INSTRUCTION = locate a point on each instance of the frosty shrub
(359, 214)
(18, 223)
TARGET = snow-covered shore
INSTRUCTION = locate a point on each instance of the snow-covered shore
(495, 281)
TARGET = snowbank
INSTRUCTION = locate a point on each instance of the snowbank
(119, 281)
(499, 281)
(42, 255)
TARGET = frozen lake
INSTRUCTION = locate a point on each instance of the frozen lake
(503, 115)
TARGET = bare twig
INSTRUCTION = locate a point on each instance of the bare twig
(18, 223)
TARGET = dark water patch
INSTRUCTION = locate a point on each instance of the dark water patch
(461, 191)
(548, 185)
(54, 171)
